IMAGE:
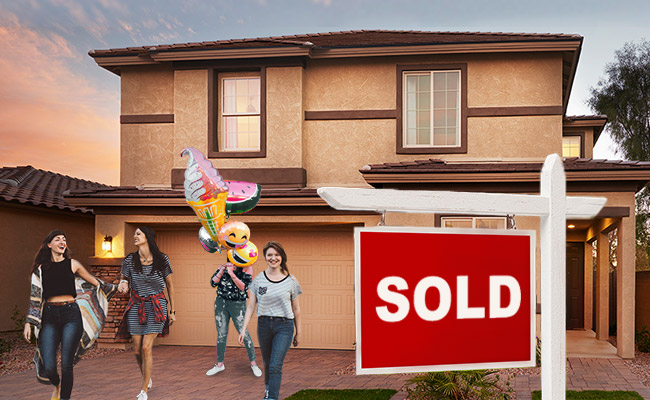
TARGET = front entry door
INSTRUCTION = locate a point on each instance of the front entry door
(575, 285)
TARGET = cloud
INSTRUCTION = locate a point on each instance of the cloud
(326, 3)
(50, 116)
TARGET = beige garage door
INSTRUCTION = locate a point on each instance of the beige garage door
(320, 257)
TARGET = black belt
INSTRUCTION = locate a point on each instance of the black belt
(275, 318)
(59, 303)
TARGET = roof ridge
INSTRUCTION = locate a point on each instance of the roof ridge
(18, 176)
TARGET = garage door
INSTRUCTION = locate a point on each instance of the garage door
(320, 257)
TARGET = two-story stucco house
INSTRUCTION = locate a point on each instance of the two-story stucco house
(387, 109)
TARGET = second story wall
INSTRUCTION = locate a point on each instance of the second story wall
(501, 96)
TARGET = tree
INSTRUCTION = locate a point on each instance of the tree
(624, 97)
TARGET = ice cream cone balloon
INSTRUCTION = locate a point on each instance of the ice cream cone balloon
(205, 192)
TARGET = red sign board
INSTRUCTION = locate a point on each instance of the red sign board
(444, 299)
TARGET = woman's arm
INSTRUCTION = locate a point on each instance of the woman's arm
(170, 298)
(250, 309)
(238, 282)
(123, 287)
(79, 269)
(216, 278)
(295, 305)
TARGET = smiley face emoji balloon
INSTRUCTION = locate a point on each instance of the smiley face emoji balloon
(234, 234)
(243, 256)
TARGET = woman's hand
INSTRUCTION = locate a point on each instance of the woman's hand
(123, 287)
(295, 340)
(230, 268)
(27, 332)
(242, 335)
(172, 318)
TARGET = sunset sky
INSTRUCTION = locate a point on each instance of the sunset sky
(59, 111)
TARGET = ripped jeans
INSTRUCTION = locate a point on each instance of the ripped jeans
(224, 310)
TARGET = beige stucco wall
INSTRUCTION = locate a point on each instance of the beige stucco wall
(147, 154)
(190, 114)
(333, 151)
(22, 231)
(147, 90)
(501, 80)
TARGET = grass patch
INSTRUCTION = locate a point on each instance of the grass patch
(343, 394)
(595, 395)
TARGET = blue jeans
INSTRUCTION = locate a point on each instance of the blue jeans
(275, 336)
(60, 324)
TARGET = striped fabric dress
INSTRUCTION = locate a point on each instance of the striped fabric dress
(145, 284)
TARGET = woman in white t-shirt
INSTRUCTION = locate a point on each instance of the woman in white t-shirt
(275, 296)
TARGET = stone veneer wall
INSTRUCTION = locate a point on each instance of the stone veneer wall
(116, 307)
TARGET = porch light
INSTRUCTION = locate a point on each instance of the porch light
(570, 226)
(107, 243)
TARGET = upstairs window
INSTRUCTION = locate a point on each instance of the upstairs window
(240, 114)
(432, 109)
(237, 112)
(571, 146)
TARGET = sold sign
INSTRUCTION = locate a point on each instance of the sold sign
(444, 299)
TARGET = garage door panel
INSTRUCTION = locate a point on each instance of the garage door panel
(321, 259)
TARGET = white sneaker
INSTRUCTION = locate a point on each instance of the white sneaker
(216, 369)
(150, 385)
(142, 395)
(256, 370)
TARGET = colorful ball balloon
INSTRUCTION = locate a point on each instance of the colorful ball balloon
(243, 256)
(234, 234)
(206, 241)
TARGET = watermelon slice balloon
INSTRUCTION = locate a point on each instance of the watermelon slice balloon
(242, 196)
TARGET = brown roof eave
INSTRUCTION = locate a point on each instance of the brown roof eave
(154, 57)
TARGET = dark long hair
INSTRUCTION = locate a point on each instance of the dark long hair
(158, 257)
(43, 256)
(278, 247)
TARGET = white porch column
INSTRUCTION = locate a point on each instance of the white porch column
(625, 287)
(602, 287)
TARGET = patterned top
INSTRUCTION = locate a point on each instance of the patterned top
(147, 282)
(274, 298)
(226, 288)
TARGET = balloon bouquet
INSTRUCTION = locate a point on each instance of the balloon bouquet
(214, 200)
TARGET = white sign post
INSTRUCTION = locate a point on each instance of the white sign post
(552, 206)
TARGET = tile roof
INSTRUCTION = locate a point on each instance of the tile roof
(441, 166)
(28, 185)
(358, 38)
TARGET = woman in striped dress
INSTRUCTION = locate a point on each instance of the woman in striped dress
(275, 297)
(148, 314)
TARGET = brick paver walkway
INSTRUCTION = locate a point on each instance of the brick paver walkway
(588, 374)
(179, 373)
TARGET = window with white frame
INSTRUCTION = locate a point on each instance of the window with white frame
(432, 109)
(474, 222)
(240, 113)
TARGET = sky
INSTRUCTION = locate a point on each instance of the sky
(59, 111)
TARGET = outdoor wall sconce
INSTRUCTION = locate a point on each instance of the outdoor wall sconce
(107, 243)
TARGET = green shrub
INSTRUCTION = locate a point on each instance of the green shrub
(457, 385)
(642, 339)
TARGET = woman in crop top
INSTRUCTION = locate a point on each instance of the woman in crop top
(53, 312)
(275, 296)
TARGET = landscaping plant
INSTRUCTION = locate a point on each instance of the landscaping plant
(642, 339)
(458, 385)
